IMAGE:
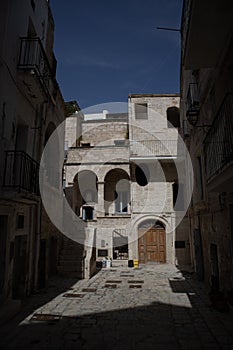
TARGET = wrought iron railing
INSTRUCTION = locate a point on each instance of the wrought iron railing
(218, 144)
(33, 57)
(21, 172)
(166, 148)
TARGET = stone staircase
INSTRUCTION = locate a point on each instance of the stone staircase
(71, 262)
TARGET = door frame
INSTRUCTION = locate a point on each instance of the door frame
(143, 237)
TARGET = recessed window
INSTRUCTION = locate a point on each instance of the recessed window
(178, 196)
(20, 221)
(142, 175)
(141, 111)
(88, 213)
(102, 252)
(173, 117)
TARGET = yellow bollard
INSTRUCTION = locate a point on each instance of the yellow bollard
(135, 263)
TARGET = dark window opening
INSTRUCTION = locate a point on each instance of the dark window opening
(179, 244)
(88, 213)
(120, 248)
(178, 196)
(141, 111)
(20, 221)
(173, 117)
(142, 175)
(102, 252)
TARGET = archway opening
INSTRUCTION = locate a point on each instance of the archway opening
(85, 194)
(116, 192)
(152, 242)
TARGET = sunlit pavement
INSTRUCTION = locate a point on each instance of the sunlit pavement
(153, 307)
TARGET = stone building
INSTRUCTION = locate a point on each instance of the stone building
(207, 118)
(31, 107)
(122, 182)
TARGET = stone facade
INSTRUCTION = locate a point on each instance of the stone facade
(206, 113)
(31, 108)
(102, 184)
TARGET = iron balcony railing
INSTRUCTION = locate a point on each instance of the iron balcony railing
(21, 172)
(33, 57)
(157, 148)
(218, 144)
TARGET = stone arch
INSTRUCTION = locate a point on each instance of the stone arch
(116, 192)
(155, 218)
(85, 191)
(104, 170)
(148, 223)
(151, 241)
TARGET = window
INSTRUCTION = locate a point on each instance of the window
(141, 111)
(173, 117)
(20, 221)
(88, 213)
(121, 202)
(178, 196)
(102, 252)
(142, 174)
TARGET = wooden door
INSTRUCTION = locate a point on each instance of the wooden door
(151, 245)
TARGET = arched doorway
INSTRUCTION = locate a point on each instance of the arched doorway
(151, 242)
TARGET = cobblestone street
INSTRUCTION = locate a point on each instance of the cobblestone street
(151, 307)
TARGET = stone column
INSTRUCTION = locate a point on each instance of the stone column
(100, 210)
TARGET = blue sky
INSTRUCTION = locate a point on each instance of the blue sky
(107, 49)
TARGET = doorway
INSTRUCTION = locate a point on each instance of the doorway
(152, 243)
(20, 267)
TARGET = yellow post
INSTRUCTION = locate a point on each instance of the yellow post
(135, 263)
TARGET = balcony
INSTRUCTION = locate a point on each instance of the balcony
(35, 72)
(21, 172)
(154, 148)
(218, 144)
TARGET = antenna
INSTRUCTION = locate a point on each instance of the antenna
(171, 29)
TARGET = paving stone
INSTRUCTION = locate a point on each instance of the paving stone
(154, 316)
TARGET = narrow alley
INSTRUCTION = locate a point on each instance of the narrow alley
(152, 307)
